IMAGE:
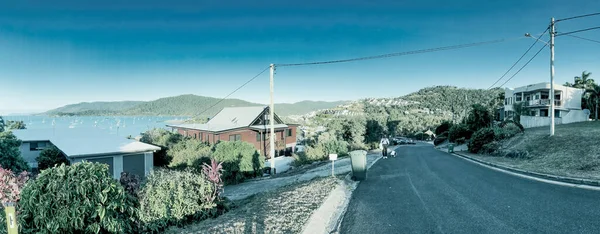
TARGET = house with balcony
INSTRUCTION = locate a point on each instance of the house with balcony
(249, 124)
(536, 101)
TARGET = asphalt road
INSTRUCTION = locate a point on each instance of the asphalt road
(424, 190)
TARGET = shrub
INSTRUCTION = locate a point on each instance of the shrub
(174, 197)
(459, 130)
(481, 137)
(164, 139)
(11, 185)
(444, 127)
(190, 153)
(517, 154)
(508, 122)
(439, 140)
(334, 147)
(78, 198)
(131, 183)
(460, 141)
(50, 157)
(240, 160)
(300, 159)
(479, 117)
(444, 134)
(490, 148)
(10, 157)
(316, 153)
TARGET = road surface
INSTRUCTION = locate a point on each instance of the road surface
(424, 190)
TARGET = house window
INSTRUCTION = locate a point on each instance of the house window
(258, 136)
(195, 135)
(518, 98)
(528, 98)
(36, 146)
(282, 135)
(235, 137)
(537, 96)
(289, 132)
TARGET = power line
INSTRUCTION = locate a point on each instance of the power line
(514, 64)
(523, 66)
(583, 38)
(395, 54)
(238, 88)
(576, 31)
(579, 16)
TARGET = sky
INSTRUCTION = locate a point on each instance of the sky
(54, 53)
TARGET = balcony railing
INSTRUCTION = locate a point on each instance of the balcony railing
(542, 102)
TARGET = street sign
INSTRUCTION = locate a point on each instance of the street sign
(332, 157)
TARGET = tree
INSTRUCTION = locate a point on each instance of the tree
(594, 98)
(10, 157)
(583, 81)
(520, 110)
(1, 124)
(50, 157)
(444, 127)
(479, 118)
(10, 125)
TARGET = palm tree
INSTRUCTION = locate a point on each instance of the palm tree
(594, 98)
(583, 81)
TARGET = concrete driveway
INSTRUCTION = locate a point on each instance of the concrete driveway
(424, 190)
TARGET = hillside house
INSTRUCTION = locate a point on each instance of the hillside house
(93, 145)
(536, 101)
(248, 124)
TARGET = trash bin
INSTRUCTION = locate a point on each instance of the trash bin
(450, 148)
(359, 164)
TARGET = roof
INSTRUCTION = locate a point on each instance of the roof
(540, 86)
(80, 142)
(264, 127)
(230, 118)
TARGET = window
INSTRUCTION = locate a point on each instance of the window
(289, 132)
(217, 138)
(258, 136)
(518, 98)
(195, 135)
(537, 96)
(282, 135)
(533, 113)
(33, 146)
(235, 137)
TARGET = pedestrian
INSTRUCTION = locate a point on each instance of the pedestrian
(384, 146)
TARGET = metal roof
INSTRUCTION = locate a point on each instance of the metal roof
(263, 127)
(230, 118)
(80, 142)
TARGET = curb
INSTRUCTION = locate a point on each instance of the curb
(569, 180)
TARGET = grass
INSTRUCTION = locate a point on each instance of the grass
(573, 151)
(285, 210)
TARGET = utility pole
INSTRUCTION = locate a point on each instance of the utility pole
(272, 122)
(552, 77)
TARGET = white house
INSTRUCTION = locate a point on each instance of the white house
(93, 145)
(536, 99)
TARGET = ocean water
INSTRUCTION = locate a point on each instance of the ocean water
(119, 125)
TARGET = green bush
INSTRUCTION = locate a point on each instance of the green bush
(490, 148)
(10, 156)
(439, 140)
(300, 159)
(240, 160)
(459, 131)
(173, 197)
(165, 140)
(481, 137)
(335, 147)
(444, 127)
(50, 157)
(189, 153)
(506, 132)
(460, 141)
(316, 153)
(76, 199)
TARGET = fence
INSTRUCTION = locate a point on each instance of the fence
(539, 121)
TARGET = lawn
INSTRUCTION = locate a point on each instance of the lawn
(573, 151)
(285, 210)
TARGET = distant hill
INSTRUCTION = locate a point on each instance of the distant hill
(183, 105)
(417, 111)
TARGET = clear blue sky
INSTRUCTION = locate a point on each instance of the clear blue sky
(59, 52)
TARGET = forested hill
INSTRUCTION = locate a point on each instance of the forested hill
(418, 111)
(183, 105)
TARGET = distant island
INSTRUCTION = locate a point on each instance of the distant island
(183, 105)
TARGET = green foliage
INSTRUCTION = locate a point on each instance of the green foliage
(10, 125)
(444, 127)
(459, 131)
(2, 124)
(479, 117)
(439, 140)
(519, 110)
(173, 197)
(131, 183)
(316, 153)
(480, 138)
(165, 140)
(240, 160)
(10, 156)
(517, 124)
(507, 131)
(189, 153)
(51, 156)
(375, 130)
(93, 108)
(76, 199)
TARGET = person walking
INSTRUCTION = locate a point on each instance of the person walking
(384, 143)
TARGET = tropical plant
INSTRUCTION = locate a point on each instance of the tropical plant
(50, 157)
(458, 131)
(10, 156)
(131, 183)
(189, 152)
(175, 197)
(213, 173)
(11, 185)
(75, 199)
(594, 98)
(583, 81)
(444, 127)
(520, 110)
(479, 117)
(480, 138)
(165, 140)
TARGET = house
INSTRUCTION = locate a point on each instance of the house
(248, 124)
(536, 102)
(89, 144)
